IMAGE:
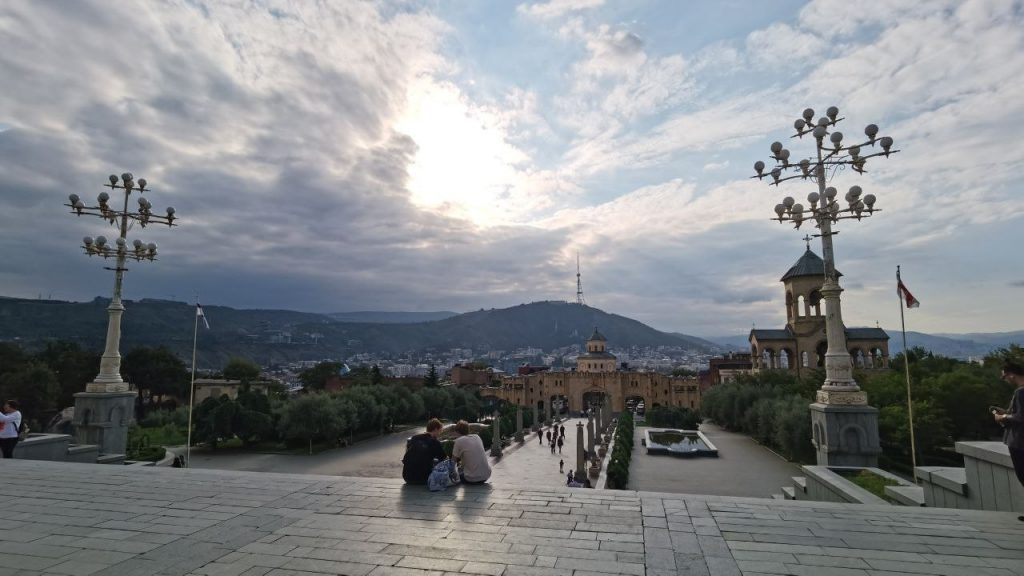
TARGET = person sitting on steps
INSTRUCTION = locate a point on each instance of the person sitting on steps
(421, 453)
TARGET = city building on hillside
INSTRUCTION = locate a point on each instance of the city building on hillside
(802, 344)
(217, 387)
(526, 369)
(466, 376)
(597, 382)
(724, 369)
(338, 382)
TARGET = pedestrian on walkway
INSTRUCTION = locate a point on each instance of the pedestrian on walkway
(561, 431)
(561, 466)
(540, 437)
(560, 445)
(552, 447)
(549, 436)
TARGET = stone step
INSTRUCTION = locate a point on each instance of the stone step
(778, 497)
(906, 495)
(110, 459)
(800, 482)
(789, 493)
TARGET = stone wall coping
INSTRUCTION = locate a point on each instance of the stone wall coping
(847, 489)
(37, 439)
(952, 479)
(994, 452)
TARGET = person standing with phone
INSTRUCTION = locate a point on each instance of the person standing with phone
(1012, 420)
(10, 428)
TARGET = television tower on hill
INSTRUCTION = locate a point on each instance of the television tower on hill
(579, 283)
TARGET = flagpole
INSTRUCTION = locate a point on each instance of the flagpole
(906, 368)
(192, 387)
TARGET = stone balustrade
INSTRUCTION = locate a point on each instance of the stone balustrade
(986, 482)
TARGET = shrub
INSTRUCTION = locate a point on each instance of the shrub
(622, 453)
(673, 417)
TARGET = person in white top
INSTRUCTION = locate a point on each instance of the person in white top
(10, 421)
(469, 452)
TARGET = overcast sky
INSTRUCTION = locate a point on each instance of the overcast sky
(456, 155)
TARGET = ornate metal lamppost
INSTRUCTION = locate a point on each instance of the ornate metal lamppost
(857, 421)
(104, 400)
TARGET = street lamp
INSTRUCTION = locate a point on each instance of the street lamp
(825, 210)
(109, 378)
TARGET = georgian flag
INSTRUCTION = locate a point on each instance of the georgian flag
(905, 294)
(199, 313)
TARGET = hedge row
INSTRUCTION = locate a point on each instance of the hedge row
(622, 452)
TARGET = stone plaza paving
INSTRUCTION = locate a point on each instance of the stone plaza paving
(136, 521)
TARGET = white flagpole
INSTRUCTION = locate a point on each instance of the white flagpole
(192, 388)
(906, 367)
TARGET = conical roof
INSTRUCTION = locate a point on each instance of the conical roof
(810, 264)
(597, 336)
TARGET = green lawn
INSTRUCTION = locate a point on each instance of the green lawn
(872, 482)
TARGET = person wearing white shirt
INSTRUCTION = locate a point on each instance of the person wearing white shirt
(469, 452)
(10, 419)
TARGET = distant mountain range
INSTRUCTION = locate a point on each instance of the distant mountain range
(272, 336)
(391, 317)
(963, 346)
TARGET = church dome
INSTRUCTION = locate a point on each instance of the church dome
(810, 264)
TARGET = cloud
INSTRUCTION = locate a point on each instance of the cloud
(556, 8)
(345, 156)
(281, 146)
(780, 45)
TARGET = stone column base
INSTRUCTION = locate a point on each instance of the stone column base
(102, 418)
(845, 435)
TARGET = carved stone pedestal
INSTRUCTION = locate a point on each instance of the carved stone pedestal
(844, 429)
(102, 418)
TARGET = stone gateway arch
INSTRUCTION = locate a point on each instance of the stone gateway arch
(596, 381)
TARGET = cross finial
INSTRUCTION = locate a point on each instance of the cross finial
(807, 239)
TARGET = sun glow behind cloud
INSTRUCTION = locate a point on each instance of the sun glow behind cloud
(463, 165)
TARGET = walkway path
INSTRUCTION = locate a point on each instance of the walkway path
(88, 519)
(533, 464)
(379, 457)
(743, 468)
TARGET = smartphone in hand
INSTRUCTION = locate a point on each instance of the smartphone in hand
(997, 410)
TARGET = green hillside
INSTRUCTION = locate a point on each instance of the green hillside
(271, 336)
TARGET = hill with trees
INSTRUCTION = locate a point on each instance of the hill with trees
(276, 336)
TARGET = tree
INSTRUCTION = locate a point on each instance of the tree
(12, 358)
(252, 421)
(212, 420)
(312, 417)
(73, 367)
(431, 380)
(436, 402)
(316, 378)
(678, 372)
(241, 369)
(35, 387)
(157, 371)
(376, 376)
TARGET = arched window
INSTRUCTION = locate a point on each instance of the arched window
(815, 302)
